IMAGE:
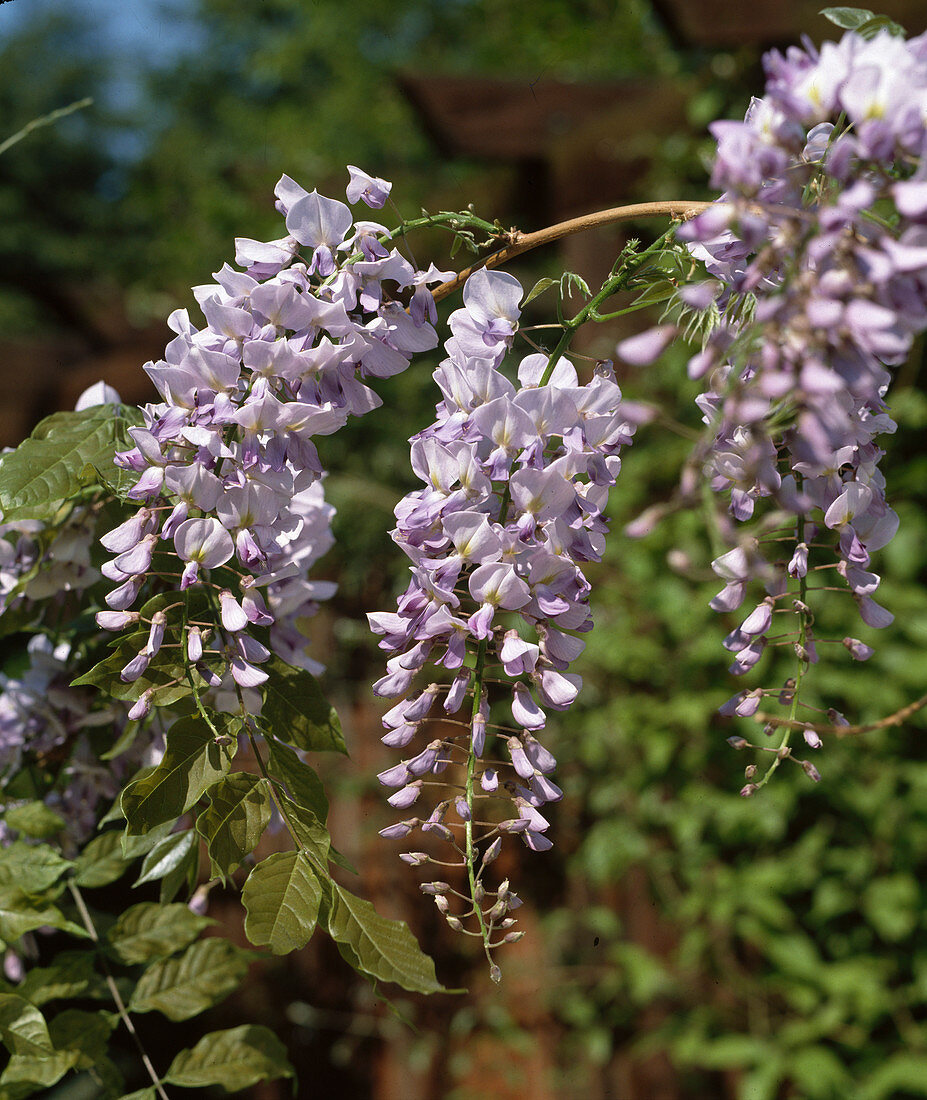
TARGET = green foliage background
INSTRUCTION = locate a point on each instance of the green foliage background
(758, 948)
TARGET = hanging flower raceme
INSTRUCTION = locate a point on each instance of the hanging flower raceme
(817, 296)
(228, 475)
(516, 478)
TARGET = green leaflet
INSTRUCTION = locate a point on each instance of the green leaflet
(193, 761)
(282, 896)
(309, 832)
(25, 1074)
(306, 794)
(301, 780)
(167, 856)
(101, 862)
(34, 819)
(233, 1059)
(48, 468)
(238, 813)
(385, 949)
(31, 867)
(84, 1033)
(21, 913)
(296, 709)
(149, 930)
(185, 985)
(71, 975)
(22, 1027)
(165, 676)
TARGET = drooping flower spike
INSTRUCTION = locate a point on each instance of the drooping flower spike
(515, 481)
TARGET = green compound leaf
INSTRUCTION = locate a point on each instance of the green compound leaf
(141, 1094)
(48, 468)
(233, 1059)
(149, 930)
(295, 707)
(193, 761)
(34, 819)
(101, 862)
(382, 948)
(282, 896)
(238, 813)
(184, 986)
(31, 867)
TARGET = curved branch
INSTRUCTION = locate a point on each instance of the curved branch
(846, 731)
(523, 242)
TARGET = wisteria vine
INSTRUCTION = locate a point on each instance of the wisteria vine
(808, 282)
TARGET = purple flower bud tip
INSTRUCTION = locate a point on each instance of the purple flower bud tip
(748, 790)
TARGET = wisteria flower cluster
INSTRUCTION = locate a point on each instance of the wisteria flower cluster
(818, 255)
(516, 479)
(228, 475)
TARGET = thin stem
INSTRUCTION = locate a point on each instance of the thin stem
(87, 921)
(524, 242)
(895, 719)
(470, 851)
(45, 120)
(783, 750)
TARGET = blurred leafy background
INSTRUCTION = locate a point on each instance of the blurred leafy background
(683, 942)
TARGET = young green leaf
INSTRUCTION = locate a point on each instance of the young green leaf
(186, 985)
(295, 707)
(234, 1059)
(384, 949)
(150, 930)
(193, 760)
(847, 19)
(282, 896)
(539, 287)
(239, 811)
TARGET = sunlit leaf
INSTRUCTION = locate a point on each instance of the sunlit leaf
(47, 468)
(385, 949)
(282, 896)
